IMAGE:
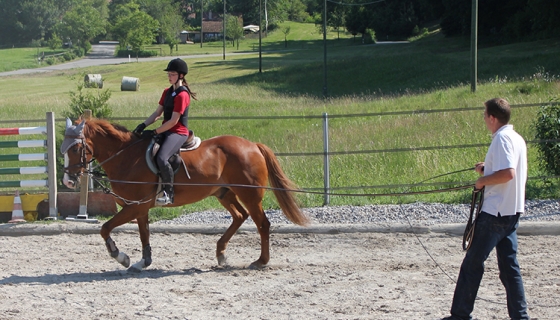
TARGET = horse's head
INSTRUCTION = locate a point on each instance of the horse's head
(76, 153)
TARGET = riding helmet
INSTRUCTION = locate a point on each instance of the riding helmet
(177, 65)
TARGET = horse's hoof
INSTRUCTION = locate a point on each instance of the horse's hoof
(257, 265)
(138, 266)
(123, 259)
(134, 269)
(222, 260)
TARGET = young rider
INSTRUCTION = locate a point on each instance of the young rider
(173, 104)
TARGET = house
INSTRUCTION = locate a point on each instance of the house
(212, 29)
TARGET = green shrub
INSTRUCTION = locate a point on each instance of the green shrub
(51, 60)
(547, 127)
(69, 56)
(124, 53)
(369, 36)
(54, 42)
(82, 100)
(79, 52)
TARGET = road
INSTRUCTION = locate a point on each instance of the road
(103, 54)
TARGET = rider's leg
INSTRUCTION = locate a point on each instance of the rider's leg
(171, 144)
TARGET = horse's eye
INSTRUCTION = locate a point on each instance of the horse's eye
(75, 149)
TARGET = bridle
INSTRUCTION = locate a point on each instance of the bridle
(84, 150)
(95, 173)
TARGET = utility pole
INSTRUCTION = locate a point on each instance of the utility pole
(260, 36)
(325, 50)
(201, 22)
(224, 31)
(474, 41)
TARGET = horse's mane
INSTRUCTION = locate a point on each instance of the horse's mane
(105, 128)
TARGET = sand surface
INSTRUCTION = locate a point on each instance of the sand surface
(310, 276)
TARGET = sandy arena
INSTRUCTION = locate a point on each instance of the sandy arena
(366, 275)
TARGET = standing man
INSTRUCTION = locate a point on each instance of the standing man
(504, 173)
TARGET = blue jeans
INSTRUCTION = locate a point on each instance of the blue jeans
(491, 232)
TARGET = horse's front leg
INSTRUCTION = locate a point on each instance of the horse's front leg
(128, 213)
(144, 228)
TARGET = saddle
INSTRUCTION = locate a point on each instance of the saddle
(175, 160)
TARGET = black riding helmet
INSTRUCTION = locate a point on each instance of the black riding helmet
(177, 65)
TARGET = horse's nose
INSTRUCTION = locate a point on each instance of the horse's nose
(69, 182)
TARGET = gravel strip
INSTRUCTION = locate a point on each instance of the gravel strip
(419, 214)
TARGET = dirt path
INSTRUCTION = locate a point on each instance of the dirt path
(310, 276)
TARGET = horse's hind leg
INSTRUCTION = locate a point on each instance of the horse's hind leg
(252, 200)
(263, 227)
(239, 215)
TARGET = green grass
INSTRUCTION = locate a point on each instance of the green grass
(431, 73)
(23, 58)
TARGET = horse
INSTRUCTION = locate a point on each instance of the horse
(230, 168)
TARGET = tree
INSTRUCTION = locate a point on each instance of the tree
(54, 42)
(234, 28)
(27, 20)
(286, 31)
(296, 11)
(82, 23)
(167, 13)
(357, 21)
(336, 19)
(136, 29)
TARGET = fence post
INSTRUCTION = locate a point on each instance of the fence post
(51, 154)
(326, 168)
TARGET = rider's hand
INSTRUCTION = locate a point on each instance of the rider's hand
(148, 134)
(139, 129)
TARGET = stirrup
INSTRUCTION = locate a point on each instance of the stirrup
(164, 200)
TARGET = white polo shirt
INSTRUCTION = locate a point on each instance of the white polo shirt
(507, 150)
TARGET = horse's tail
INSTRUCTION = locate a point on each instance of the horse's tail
(280, 182)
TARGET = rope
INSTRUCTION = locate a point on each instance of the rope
(414, 232)
(476, 205)
(233, 185)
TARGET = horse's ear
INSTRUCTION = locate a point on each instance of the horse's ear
(80, 127)
(68, 123)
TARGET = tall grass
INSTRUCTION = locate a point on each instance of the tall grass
(431, 73)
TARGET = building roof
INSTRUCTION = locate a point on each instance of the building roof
(212, 26)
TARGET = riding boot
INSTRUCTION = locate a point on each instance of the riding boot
(167, 181)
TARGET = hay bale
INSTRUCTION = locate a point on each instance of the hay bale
(93, 81)
(130, 84)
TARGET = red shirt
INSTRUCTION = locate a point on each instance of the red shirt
(180, 104)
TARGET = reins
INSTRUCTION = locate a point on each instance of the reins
(94, 173)
(113, 156)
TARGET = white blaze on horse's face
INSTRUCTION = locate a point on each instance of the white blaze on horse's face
(72, 136)
(66, 179)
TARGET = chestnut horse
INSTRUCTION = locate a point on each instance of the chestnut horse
(232, 169)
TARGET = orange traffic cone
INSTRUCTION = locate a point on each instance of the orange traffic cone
(17, 213)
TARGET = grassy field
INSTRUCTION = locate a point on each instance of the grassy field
(431, 73)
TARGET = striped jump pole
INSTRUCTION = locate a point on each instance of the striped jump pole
(50, 157)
